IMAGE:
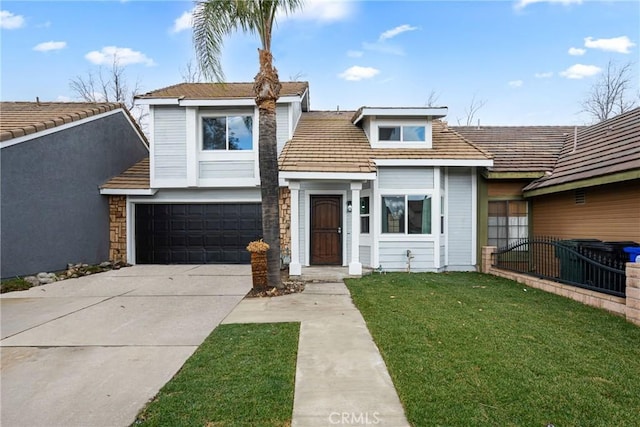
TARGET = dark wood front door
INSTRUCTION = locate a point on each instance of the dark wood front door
(326, 230)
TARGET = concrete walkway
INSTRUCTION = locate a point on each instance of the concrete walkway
(92, 351)
(341, 378)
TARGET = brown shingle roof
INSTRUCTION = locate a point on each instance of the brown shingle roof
(327, 141)
(608, 147)
(136, 178)
(24, 118)
(519, 148)
(220, 90)
(445, 145)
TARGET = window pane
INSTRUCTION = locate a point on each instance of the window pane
(393, 214)
(419, 214)
(413, 133)
(214, 133)
(364, 224)
(389, 133)
(364, 205)
(240, 133)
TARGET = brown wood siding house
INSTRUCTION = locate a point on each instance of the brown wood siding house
(521, 155)
(594, 189)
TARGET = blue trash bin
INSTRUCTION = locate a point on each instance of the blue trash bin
(634, 253)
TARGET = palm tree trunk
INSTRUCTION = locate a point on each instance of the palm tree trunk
(267, 89)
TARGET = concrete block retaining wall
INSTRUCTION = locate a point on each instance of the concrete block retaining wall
(628, 307)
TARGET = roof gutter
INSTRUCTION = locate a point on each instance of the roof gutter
(128, 191)
(513, 175)
(583, 183)
(433, 112)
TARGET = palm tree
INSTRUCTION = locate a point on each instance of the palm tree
(212, 21)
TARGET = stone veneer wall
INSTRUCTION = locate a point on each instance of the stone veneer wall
(285, 219)
(633, 293)
(118, 228)
(628, 307)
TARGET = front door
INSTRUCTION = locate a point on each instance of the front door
(326, 230)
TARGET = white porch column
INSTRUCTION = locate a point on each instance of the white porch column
(355, 267)
(295, 269)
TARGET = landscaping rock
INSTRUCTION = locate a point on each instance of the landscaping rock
(32, 280)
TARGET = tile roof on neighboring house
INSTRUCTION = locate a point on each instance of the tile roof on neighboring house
(609, 147)
(327, 141)
(137, 177)
(519, 148)
(25, 118)
(219, 90)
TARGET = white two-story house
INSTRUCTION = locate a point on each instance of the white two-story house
(387, 188)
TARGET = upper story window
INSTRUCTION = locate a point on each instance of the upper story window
(227, 133)
(401, 133)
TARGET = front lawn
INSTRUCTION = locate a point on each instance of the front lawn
(467, 349)
(242, 375)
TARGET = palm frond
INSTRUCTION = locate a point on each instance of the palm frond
(213, 20)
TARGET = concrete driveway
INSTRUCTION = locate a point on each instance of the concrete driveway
(92, 351)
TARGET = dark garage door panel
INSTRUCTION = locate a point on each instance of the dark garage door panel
(196, 233)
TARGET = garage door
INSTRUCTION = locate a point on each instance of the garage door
(196, 233)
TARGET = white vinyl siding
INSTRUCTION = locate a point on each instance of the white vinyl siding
(405, 178)
(169, 143)
(393, 255)
(459, 221)
(365, 255)
(202, 195)
(282, 125)
(227, 169)
(297, 112)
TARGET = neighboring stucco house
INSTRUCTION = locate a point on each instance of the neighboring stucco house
(389, 188)
(54, 156)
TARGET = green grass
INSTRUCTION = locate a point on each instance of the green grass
(242, 375)
(467, 349)
(16, 284)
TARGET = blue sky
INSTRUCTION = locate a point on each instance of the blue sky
(532, 61)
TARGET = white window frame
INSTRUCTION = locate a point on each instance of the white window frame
(401, 122)
(367, 194)
(406, 234)
(226, 154)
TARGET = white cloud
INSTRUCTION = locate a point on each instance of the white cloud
(49, 46)
(545, 75)
(515, 83)
(521, 4)
(576, 51)
(124, 56)
(9, 21)
(383, 48)
(183, 22)
(357, 73)
(63, 98)
(620, 44)
(579, 71)
(322, 11)
(355, 53)
(395, 31)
